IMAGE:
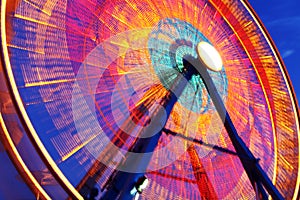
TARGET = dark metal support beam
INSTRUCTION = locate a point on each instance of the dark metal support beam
(124, 182)
(254, 171)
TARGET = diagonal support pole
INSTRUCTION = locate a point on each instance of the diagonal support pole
(254, 171)
(122, 182)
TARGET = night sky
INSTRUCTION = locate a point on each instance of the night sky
(282, 20)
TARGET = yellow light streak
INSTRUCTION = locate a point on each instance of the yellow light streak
(247, 24)
(38, 21)
(48, 6)
(266, 57)
(286, 162)
(41, 83)
(155, 91)
(33, 5)
(286, 128)
(20, 161)
(121, 20)
(65, 157)
(25, 49)
(48, 159)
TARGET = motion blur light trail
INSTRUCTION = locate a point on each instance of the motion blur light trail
(83, 79)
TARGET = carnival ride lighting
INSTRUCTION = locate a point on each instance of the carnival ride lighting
(209, 56)
(140, 185)
(85, 78)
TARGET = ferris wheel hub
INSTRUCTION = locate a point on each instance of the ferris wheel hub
(209, 56)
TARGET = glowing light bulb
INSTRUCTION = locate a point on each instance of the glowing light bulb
(209, 56)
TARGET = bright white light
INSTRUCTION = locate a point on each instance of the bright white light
(209, 56)
(140, 185)
(137, 196)
(133, 191)
(144, 184)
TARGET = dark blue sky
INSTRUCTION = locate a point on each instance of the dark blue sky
(282, 20)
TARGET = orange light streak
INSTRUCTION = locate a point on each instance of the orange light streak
(261, 84)
(20, 163)
(297, 187)
(49, 161)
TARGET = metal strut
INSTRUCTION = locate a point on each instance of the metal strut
(258, 178)
(123, 182)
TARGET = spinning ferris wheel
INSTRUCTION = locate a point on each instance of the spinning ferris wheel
(146, 99)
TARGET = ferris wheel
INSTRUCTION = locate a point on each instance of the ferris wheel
(143, 99)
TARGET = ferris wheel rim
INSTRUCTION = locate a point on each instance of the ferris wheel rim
(247, 5)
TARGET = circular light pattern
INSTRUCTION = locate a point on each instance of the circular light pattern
(170, 41)
(120, 59)
(209, 56)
